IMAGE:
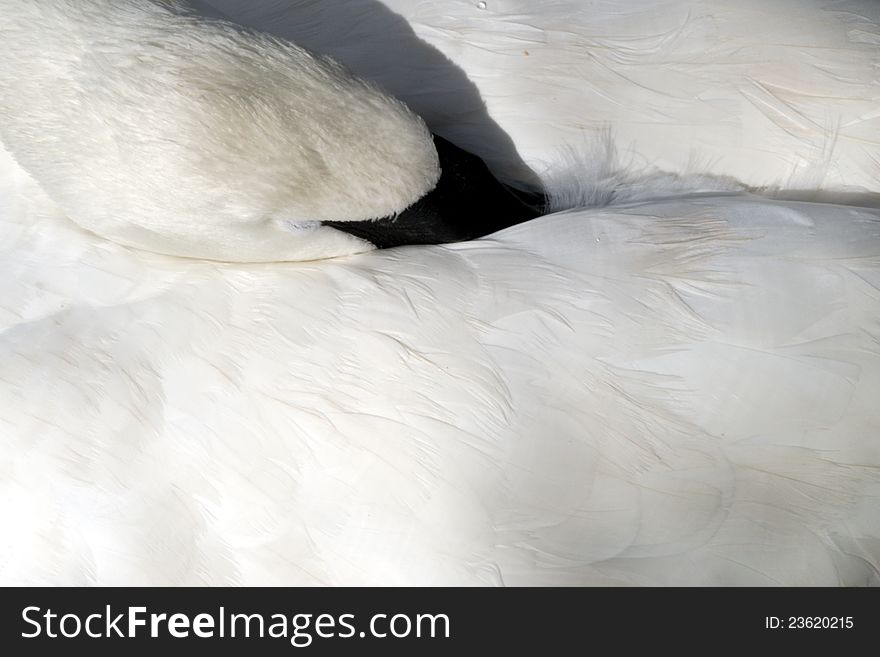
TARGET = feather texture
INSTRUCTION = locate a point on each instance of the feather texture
(677, 392)
(182, 135)
(778, 94)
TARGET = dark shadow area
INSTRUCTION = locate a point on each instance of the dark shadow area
(467, 203)
(379, 45)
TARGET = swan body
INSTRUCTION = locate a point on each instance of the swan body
(677, 390)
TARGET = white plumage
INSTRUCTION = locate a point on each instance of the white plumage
(675, 391)
(158, 129)
(778, 93)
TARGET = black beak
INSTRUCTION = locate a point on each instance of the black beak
(468, 202)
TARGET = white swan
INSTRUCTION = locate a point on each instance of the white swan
(677, 391)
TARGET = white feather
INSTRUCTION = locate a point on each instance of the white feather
(678, 392)
(669, 391)
(771, 93)
(165, 131)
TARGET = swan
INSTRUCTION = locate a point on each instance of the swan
(677, 387)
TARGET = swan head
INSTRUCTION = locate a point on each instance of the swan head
(190, 136)
(467, 202)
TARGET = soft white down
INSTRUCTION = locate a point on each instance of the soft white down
(160, 129)
(773, 93)
(678, 392)
(674, 391)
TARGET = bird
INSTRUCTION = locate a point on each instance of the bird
(668, 378)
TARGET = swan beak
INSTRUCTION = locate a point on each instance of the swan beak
(467, 202)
